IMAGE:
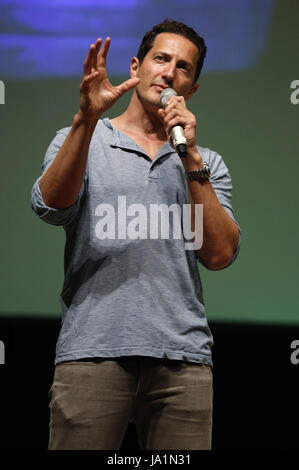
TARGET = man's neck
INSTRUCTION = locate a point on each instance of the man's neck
(141, 121)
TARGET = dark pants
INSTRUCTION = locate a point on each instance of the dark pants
(93, 400)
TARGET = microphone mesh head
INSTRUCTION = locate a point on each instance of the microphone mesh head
(166, 94)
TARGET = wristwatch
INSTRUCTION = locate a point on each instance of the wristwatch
(200, 175)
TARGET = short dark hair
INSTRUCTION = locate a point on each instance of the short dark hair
(172, 26)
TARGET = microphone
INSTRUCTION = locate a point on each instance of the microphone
(177, 132)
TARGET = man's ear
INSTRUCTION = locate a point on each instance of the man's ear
(134, 67)
(192, 91)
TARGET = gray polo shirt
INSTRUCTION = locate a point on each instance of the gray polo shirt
(130, 289)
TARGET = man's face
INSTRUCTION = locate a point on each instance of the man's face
(171, 62)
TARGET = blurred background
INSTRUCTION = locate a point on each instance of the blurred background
(247, 110)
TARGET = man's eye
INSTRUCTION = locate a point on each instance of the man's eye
(160, 57)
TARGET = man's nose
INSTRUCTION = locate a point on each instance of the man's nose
(169, 71)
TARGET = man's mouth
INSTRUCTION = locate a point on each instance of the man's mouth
(159, 86)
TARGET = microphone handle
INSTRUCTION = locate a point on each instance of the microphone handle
(179, 140)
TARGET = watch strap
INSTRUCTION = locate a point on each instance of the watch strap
(201, 174)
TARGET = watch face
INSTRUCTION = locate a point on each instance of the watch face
(207, 170)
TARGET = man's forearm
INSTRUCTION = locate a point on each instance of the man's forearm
(220, 232)
(61, 183)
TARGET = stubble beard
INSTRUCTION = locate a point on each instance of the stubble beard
(149, 105)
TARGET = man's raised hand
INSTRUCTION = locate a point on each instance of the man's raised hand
(96, 92)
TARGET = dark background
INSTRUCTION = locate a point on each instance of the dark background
(256, 402)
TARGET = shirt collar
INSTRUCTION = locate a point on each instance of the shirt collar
(121, 140)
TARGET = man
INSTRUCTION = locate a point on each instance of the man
(135, 343)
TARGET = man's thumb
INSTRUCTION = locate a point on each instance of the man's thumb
(128, 84)
(161, 113)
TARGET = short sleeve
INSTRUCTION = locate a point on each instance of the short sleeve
(222, 185)
(54, 216)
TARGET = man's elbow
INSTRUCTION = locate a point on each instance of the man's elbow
(222, 257)
(219, 262)
(225, 258)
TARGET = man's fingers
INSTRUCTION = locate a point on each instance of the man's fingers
(161, 113)
(128, 85)
(176, 121)
(104, 51)
(91, 59)
(88, 60)
(86, 80)
(175, 102)
(95, 52)
(170, 113)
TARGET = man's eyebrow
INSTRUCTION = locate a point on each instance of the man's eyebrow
(180, 61)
